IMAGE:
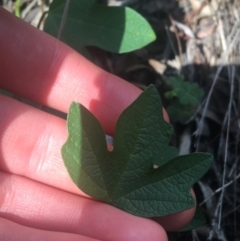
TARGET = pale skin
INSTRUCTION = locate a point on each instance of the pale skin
(37, 197)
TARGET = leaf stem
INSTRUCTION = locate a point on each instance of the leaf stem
(17, 8)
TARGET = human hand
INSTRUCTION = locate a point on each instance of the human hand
(37, 197)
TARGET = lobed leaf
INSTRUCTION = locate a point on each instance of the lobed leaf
(187, 93)
(125, 177)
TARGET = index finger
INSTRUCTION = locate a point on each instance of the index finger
(43, 69)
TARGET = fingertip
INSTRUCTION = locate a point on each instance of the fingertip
(176, 221)
(179, 220)
(146, 230)
(165, 115)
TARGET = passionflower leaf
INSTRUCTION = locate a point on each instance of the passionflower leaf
(126, 177)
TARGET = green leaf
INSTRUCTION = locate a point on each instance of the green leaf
(115, 29)
(169, 153)
(125, 177)
(197, 221)
(179, 112)
(187, 93)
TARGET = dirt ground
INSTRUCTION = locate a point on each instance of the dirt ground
(198, 39)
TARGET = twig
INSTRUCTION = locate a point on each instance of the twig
(64, 18)
(179, 58)
(235, 208)
(28, 8)
(226, 146)
(235, 170)
(42, 19)
(204, 148)
(201, 122)
(172, 44)
(220, 189)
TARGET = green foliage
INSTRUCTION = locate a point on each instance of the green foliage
(178, 112)
(17, 10)
(125, 177)
(187, 93)
(115, 29)
(184, 98)
(169, 153)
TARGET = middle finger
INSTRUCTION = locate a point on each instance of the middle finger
(39, 206)
(31, 144)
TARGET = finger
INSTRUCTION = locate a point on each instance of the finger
(31, 144)
(23, 233)
(35, 151)
(177, 221)
(42, 207)
(181, 219)
(52, 74)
